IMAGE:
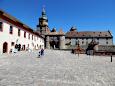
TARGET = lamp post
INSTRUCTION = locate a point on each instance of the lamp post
(111, 57)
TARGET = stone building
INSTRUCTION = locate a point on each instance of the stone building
(69, 40)
(55, 40)
(74, 37)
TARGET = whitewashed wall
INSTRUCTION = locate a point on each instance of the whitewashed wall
(5, 36)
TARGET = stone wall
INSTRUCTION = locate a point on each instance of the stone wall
(105, 50)
(86, 41)
(110, 48)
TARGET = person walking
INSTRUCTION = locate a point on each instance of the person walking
(42, 52)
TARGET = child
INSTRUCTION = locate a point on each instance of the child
(39, 54)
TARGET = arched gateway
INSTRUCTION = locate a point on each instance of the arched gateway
(54, 44)
(5, 47)
(55, 40)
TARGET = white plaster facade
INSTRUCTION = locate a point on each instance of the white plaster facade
(13, 39)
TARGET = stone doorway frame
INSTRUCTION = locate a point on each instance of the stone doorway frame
(5, 47)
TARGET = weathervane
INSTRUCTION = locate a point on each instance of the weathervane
(43, 7)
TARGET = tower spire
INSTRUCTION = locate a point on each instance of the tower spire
(44, 16)
(43, 22)
(43, 10)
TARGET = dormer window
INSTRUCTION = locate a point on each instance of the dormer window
(83, 35)
(73, 29)
(106, 35)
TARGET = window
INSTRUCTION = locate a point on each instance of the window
(11, 30)
(18, 32)
(1, 26)
(12, 43)
(32, 37)
(24, 34)
(28, 45)
(28, 36)
(97, 38)
(106, 38)
(82, 42)
(107, 42)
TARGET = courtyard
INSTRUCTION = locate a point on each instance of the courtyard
(56, 68)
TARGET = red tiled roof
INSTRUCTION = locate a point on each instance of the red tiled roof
(88, 34)
(13, 20)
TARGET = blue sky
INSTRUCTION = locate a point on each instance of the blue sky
(86, 15)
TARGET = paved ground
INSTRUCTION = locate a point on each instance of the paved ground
(56, 68)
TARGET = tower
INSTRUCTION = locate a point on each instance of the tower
(42, 27)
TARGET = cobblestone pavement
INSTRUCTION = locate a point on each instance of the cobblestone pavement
(56, 68)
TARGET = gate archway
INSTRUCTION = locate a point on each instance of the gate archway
(54, 44)
(5, 47)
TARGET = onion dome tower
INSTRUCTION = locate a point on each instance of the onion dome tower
(42, 27)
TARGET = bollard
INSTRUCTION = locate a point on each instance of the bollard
(111, 58)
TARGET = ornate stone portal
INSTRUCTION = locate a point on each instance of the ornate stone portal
(55, 40)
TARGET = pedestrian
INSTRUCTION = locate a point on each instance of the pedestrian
(42, 52)
(39, 54)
